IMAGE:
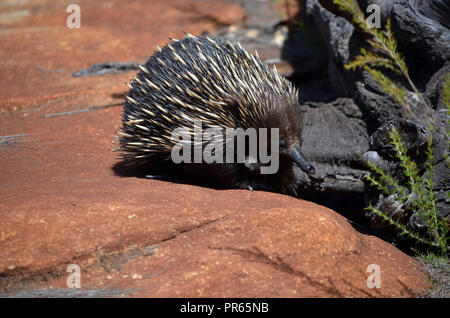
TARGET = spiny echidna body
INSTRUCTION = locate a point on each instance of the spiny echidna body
(221, 84)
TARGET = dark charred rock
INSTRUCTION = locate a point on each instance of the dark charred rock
(336, 32)
(434, 92)
(413, 135)
(391, 206)
(421, 28)
(436, 10)
(335, 137)
(374, 158)
(312, 58)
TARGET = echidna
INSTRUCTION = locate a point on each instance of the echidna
(221, 84)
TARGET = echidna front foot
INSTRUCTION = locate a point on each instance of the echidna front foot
(290, 190)
(255, 185)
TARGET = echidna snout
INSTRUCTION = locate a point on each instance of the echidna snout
(297, 156)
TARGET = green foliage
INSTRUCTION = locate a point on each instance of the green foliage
(388, 86)
(416, 196)
(369, 58)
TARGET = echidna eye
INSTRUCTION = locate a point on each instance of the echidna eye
(282, 143)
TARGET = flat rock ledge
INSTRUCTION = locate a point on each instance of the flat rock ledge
(207, 243)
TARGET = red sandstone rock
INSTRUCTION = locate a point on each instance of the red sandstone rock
(61, 204)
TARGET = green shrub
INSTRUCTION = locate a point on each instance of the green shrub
(416, 196)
